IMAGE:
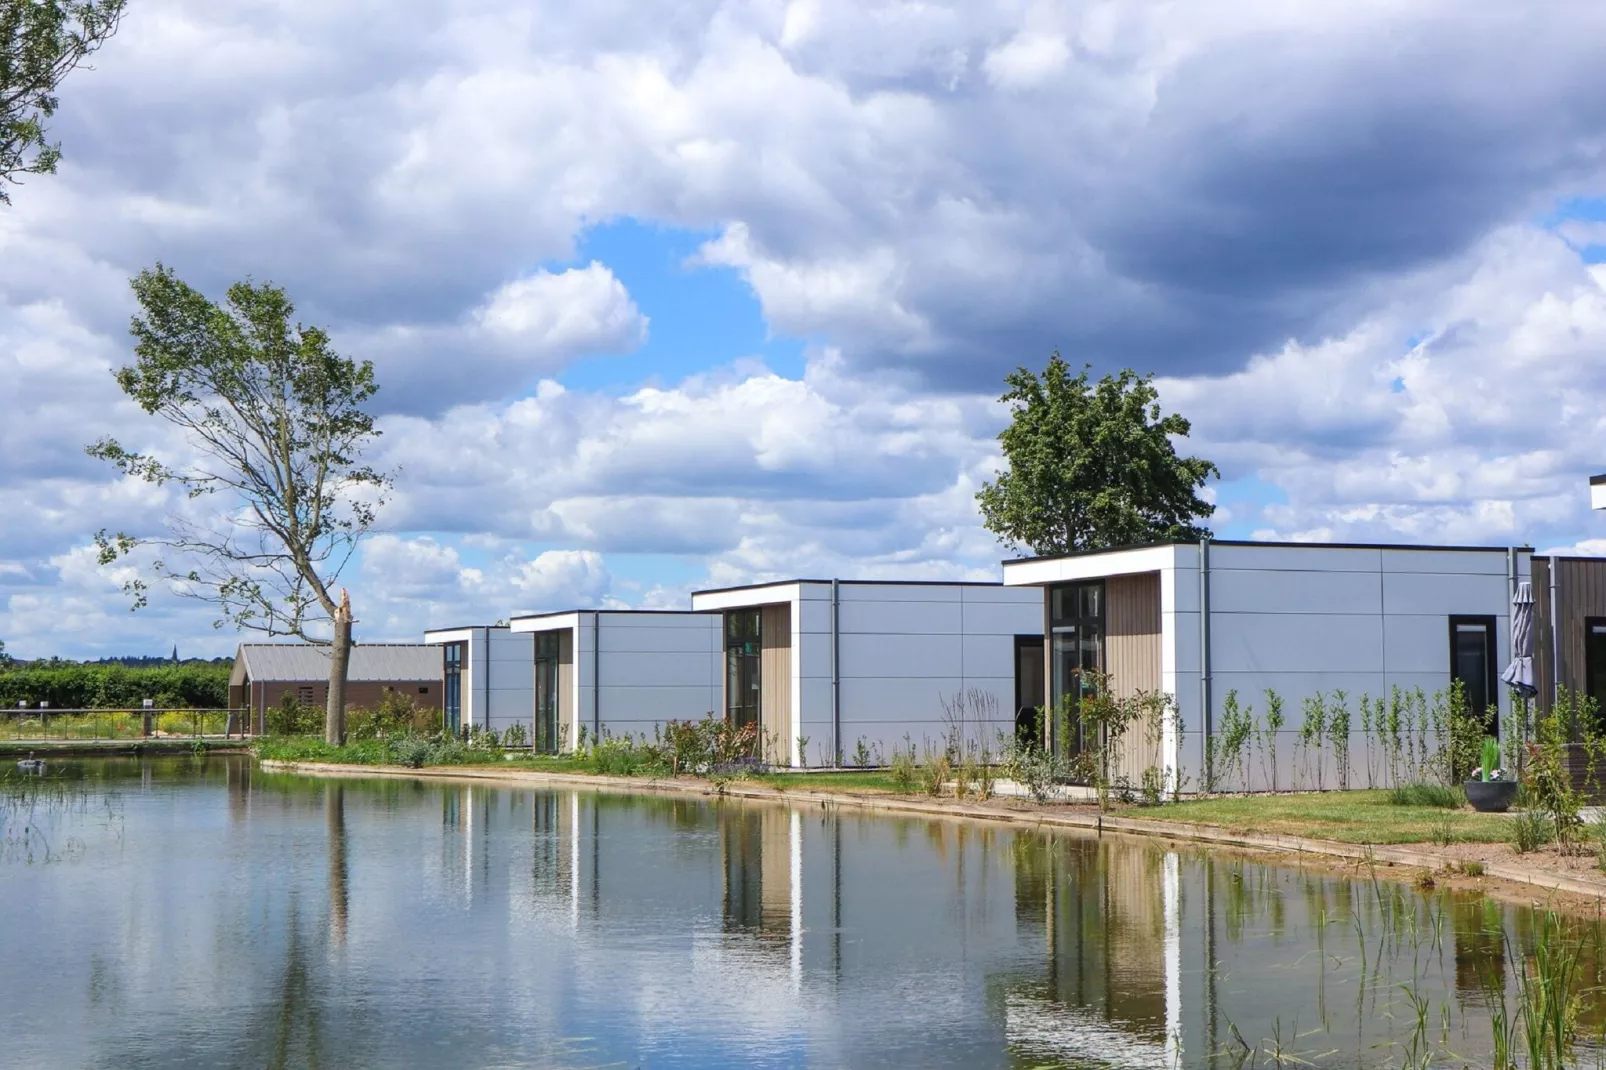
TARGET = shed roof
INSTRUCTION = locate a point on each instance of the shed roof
(370, 663)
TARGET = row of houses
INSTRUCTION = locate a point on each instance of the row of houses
(832, 669)
(828, 669)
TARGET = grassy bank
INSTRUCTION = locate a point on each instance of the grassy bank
(594, 763)
(1345, 816)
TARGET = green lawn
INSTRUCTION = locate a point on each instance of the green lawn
(1347, 816)
(854, 781)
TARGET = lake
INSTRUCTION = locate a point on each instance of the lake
(206, 913)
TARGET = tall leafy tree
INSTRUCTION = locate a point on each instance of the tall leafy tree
(1092, 465)
(274, 424)
(41, 42)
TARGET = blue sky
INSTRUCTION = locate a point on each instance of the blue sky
(660, 304)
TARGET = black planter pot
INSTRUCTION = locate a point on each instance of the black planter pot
(1490, 796)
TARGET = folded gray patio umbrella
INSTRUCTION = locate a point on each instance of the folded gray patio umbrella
(1519, 675)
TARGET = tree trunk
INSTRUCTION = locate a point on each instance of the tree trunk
(334, 720)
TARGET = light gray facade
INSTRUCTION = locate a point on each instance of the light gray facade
(1301, 620)
(627, 672)
(883, 662)
(494, 687)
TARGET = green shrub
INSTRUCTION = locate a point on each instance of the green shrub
(291, 718)
(396, 714)
(1530, 830)
(412, 751)
(72, 686)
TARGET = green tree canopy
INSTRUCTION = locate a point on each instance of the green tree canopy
(1092, 465)
(41, 41)
(275, 422)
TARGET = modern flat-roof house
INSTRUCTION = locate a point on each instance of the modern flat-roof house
(844, 661)
(617, 672)
(264, 673)
(1200, 620)
(486, 677)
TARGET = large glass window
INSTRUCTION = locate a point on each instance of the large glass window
(1076, 653)
(1472, 663)
(452, 705)
(545, 736)
(743, 676)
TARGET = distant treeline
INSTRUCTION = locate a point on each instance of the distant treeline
(65, 685)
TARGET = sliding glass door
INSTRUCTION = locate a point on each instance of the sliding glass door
(545, 736)
(1076, 655)
(743, 667)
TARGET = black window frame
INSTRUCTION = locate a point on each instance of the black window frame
(1492, 682)
(1590, 624)
(1080, 622)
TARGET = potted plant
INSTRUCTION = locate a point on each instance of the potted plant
(1490, 792)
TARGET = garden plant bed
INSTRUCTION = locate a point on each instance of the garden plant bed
(1356, 830)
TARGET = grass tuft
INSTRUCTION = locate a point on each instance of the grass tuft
(1441, 796)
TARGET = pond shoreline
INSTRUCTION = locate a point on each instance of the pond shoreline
(1409, 863)
(118, 748)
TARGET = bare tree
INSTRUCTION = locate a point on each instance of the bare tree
(273, 420)
(41, 42)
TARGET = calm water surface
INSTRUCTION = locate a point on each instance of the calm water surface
(204, 913)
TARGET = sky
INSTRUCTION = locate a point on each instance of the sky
(671, 296)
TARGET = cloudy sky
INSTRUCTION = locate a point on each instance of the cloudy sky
(678, 295)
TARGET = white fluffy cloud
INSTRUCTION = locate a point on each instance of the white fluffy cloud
(1317, 221)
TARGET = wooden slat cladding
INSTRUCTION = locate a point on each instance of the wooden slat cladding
(1132, 659)
(1580, 594)
(775, 669)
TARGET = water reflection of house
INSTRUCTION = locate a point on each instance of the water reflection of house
(1110, 920)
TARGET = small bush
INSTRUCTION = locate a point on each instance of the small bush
(516, 736)
(291, 718)
(903, 769)
(395, 715)
(412, 751)
(1035, 769)
(1425, 794)
(1530, 830)
(933, 772)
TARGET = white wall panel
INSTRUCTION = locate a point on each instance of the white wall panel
(812, 658)
(504, 675)
(1298, 642)
(905, 617)
(1298, 557)
(900, 656)
(1486, 562)
(988, 655)
(656, 669)
(655, 639)
(983, 618)
(814, 615)
(896, 592)
(1445, 593)
(903, 700)
(656, 704)
(1417, 643)
(1279, 591)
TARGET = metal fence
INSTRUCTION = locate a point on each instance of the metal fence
(25, 723)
